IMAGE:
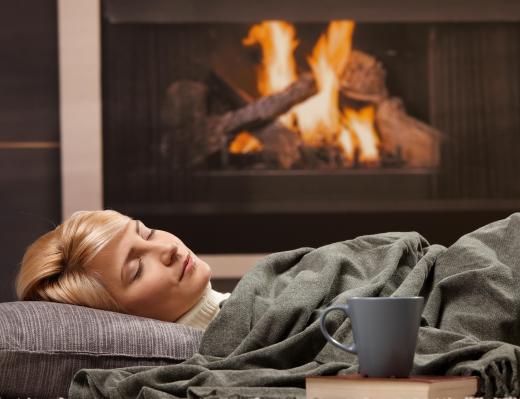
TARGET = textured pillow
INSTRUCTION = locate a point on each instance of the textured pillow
(42, 345)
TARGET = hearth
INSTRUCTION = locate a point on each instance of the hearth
(278, 119)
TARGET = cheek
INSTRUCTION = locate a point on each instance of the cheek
(151, 289)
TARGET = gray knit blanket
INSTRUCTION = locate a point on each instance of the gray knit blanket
(266, 338)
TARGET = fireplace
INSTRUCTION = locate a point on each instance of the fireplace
(254, 127)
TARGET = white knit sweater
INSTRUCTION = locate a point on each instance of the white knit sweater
(200, 315)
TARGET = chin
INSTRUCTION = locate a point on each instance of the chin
(201, 275)
(205, 269)
(207, 272)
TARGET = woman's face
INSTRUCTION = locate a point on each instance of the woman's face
(151, 273)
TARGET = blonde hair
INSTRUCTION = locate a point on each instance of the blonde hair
(53, 267)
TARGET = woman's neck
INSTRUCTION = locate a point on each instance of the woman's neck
(204, 311)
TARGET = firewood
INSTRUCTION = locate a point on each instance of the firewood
(280, 143)
(417, 142)
(363, 78)
(185, 117)
(267, 108)
(325, 157)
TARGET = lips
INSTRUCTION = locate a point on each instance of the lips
(187, 262)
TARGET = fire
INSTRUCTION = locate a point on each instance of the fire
(319, 120)
(347, 144)
(244, 142)
(278, 69)
(361, 124)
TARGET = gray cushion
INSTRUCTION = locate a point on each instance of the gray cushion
(42, 345)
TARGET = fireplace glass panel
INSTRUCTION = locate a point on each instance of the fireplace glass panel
(426, 116)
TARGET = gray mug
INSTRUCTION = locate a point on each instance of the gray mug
(385, 333)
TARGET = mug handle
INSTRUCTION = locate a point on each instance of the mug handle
(345, 309)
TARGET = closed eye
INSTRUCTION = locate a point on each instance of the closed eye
(139, 269)
(140, 264)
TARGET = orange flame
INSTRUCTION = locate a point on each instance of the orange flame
(278, 69)
(347, 144)
(318, 118)
(361, 124)
(245, 142)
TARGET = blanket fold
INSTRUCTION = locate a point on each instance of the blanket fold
(266, 338)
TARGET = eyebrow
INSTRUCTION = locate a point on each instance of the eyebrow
(128, 255)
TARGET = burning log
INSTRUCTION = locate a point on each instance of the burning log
(364, 78)
(185, 113)
(186, 116)
(265, 109)
(273, 145)
(417, 142)
(326, 157)
(259, 116)
(280, 144)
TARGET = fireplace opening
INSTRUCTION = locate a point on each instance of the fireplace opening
(331, 112)
(278, 117)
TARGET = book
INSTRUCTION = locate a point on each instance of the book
(355, 386)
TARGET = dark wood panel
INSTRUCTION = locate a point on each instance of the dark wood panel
(30, 205)
(28, 70)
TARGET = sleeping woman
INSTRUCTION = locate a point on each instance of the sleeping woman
(106, 260)
(469, 325)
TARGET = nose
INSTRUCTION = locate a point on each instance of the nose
(167, 253)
